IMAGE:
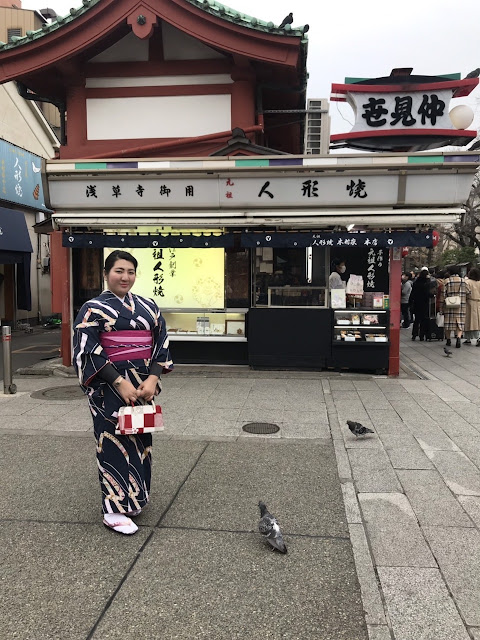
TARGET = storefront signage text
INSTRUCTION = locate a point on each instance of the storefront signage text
(21, 177)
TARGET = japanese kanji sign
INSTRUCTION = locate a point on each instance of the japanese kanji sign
(397, 111)
(21, 177)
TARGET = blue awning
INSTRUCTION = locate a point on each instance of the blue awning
(14, 236)
(16, 248)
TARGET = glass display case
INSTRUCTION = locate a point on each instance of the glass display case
(360, 326)
(206, 324)
(287, 296)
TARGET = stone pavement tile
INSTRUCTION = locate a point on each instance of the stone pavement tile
(74, 421)
(261, 415)
(469, 411)
(295, 429)
(299, 484)
(343, 463)
(395, 537)
(459, 473)
(216, 414)
(303, 417)
(419, 605)
(416, 386)
(471, 504)
(231, 400)
(457, 551)
(431, 437)
(343, 385)
(372, 471)
(365, 385)
(409, 458)
(475, 633)
(350, 502)
(217, 585)
(468, 390)
(372, 601)
(454, 425)
(60, 576)
(402, 438)
(444, 391)
(212, 427)
(378, 632)
(56, 478)
(470, 447)
(431, 499)
(20, 422)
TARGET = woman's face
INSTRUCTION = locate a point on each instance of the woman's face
(121, 277)
(341, 268)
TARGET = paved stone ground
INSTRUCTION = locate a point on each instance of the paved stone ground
(411, 492)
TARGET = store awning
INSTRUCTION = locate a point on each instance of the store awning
(16, 248)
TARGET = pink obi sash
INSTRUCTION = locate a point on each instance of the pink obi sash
(127, 345)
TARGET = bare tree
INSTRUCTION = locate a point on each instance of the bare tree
(466, 233)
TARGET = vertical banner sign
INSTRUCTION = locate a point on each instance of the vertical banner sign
(21, 177)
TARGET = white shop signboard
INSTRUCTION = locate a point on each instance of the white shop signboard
(218, 192)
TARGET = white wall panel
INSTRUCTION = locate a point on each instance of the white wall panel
(157, 117)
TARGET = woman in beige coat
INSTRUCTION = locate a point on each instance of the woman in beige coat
(472, 320)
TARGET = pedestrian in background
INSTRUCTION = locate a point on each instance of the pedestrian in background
(454, 323)
(420, 297)
(472, 319)
(405, 299)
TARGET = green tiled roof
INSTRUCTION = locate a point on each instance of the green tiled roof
(210, 6)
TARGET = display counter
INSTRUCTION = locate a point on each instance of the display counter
(207, 336)
(318, 338)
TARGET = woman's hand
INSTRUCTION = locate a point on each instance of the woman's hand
(127, 391)
(148, 388)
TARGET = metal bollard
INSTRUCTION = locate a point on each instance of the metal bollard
(8, 385)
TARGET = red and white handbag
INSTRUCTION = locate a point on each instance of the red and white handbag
(144, 418)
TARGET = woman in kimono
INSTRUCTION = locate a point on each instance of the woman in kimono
(120, 351)
(454, 322)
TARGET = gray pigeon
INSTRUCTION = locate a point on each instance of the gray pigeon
(447, 352)
(358, 429)
(473, 74)
(268, 527)
(287, 20)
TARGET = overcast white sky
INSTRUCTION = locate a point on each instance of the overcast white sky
(368, 38)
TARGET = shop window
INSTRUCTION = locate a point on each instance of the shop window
(237, 278)
(87, 275)
(290, 277)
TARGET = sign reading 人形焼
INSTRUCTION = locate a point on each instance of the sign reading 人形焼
(404, 112)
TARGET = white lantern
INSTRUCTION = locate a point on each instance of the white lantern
(461, 116)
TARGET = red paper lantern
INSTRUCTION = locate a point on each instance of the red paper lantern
(436, 238)
(404, 252)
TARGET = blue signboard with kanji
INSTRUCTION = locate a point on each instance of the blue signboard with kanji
(21, 177)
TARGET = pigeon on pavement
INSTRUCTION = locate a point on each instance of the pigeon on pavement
(473, 74)
(268, 527)
(447, 352)
(287, 20)
(358, 429)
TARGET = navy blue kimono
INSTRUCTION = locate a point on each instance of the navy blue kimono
(124, 462)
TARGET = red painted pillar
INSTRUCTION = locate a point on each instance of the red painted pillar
(243, 98)
(60, 284)
(395, 299)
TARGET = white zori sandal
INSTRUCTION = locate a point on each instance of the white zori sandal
(119, 523)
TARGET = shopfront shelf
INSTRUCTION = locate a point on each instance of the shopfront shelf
(368, 327)
(359, 343)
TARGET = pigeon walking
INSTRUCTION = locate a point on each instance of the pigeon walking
(473, 74)
(358, 429)
(268, 527)
(447, 352)
(287, 20)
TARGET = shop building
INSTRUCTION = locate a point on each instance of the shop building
(183, 144)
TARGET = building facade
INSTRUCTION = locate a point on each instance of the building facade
(183, 144)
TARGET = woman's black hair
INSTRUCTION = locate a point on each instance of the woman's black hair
(474, 274)
(453, 270)
(118, 254)
(336, 262)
